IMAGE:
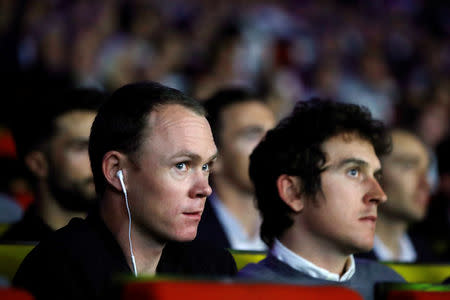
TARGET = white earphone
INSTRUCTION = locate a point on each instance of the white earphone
(124, 189)
(120, 176)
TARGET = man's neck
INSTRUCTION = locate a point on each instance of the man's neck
(52, 213)
(316, 250)
(146, 250)
(240, 203)
(390, 230)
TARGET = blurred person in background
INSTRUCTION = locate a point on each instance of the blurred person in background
(406, 183)
(429, 119)
(52, 143)
(221, 68)
(239, 119)
(372, 86)
(436, 225)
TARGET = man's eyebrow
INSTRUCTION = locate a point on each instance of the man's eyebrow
(213, 157)
(194, 156)
(355, 161)
(251, 129)
(406, 158)
(79, 140)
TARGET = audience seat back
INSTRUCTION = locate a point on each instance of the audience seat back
(10, 293)
(11, 256)
(206, 290)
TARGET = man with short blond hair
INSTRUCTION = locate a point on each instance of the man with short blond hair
(151, 149)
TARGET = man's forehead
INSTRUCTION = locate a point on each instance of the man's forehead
(402, 140)
(185, 130)
(350, 147)
(241, 112)
(237, 107)
(167, 115)
(75, 119)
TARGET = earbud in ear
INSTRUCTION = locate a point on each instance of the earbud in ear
(133, 261)
(122, 183)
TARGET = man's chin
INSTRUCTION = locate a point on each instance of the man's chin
(362, 248)
(186, 236)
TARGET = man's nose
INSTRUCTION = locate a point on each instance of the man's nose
(201, 187)
(375, 194)
(424, 181)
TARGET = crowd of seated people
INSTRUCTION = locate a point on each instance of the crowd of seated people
(354, 98)
(316, 178)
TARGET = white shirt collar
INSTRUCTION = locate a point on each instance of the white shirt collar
(407, 251)
(299, 263)
(238, 238)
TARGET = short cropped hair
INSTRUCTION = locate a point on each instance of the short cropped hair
(293, 147)
(37, 125)
(221, 100)
(122, 120)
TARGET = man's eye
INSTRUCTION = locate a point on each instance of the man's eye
(181, 166)
(79, 146)
(253, 135)
(353, 172)
(205, 167)
(408, 165)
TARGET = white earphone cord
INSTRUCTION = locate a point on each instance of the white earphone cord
(129, 226)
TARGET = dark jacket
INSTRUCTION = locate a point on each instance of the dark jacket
(81, 261)
(31, 228)
(210, 230)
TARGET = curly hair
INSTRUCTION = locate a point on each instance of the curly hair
(293, 147)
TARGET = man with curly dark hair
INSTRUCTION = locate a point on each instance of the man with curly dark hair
(316, 177)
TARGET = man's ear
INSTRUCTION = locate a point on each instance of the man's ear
(113, 161)
(37, 162)
(289, 189)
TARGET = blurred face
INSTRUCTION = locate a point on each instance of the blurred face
(405, 178)
(243, 126)
(70, 177)
(343, 214)
(169, 184)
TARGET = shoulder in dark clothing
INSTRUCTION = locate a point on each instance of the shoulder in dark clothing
(196, 259)
(80, 261)
(73, 263)
(29, 229)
